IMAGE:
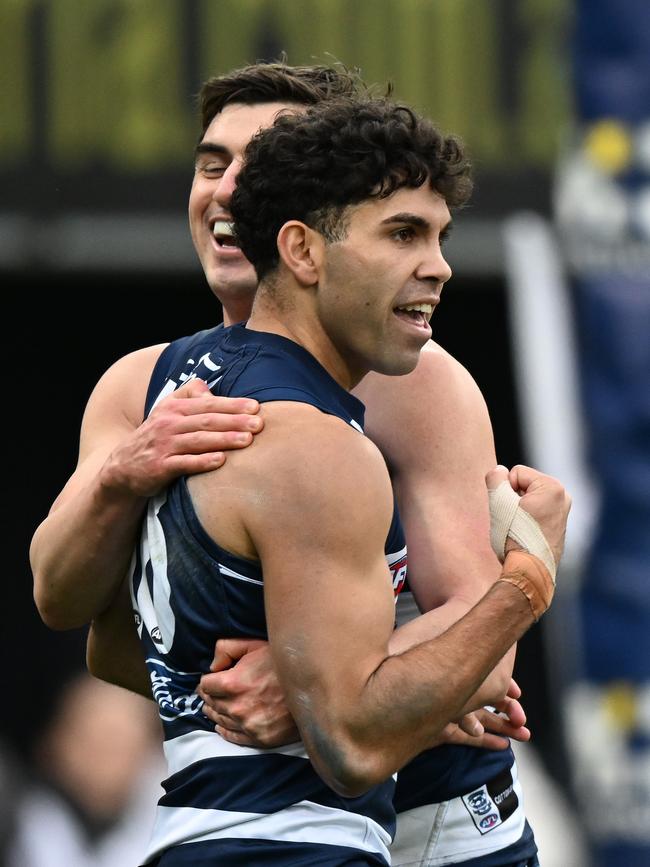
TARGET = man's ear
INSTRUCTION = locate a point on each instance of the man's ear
(302, 251)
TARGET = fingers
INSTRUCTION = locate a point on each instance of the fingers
(230, 729)
(196, 452)
(237, 737)
(523, 477)
(227, 652)
(514, 690)
(453, 734)
(528, 514)
(512, 710)
(222, 659)
(496, 724)
(194, 388)
(203, 417)
(230, 413)
(234, 649)
(471, 725)
(197, 388)
(495, 476)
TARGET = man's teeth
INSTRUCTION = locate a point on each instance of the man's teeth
(221, 228)
(427, 309)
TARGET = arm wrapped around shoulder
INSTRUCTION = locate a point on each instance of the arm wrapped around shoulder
(529, 574)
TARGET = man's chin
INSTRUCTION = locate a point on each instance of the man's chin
(232, 277)
(236, 295)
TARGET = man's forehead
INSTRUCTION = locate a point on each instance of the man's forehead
(422, 202)
(238, 122)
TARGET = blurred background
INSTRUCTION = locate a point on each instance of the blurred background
(549, 308)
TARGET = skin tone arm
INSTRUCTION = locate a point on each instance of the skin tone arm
(113, 650)
(433, 428)
(246, 702)
(362, 712)
(434, 431)
(81, 551)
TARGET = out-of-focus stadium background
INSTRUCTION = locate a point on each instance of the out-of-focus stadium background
(549, 308)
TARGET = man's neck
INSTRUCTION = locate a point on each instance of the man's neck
(235, 313)
(307, 331)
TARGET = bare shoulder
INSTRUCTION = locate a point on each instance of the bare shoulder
(438, 407)
(121, 391)
(306, 470)
(308, 450)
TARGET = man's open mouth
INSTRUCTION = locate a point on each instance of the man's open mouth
(420, 313)
(223, 234)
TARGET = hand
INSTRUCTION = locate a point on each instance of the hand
(243, 696)
(543, 497)
(488, 729)
(186, 433)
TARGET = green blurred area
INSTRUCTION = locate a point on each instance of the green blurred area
(111, 82)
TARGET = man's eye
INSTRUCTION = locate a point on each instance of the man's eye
(214, 170)
(444, 237)
(404, 234)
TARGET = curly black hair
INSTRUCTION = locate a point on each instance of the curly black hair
(311, 166)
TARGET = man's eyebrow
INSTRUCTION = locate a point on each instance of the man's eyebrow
(206, 147)
(418, 221)
(409, 219)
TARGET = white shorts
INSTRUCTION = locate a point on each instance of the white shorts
(455, 831)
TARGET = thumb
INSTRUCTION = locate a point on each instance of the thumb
(494, 477)
(227, 651)
(194, 388)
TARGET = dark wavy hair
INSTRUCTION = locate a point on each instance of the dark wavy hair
(313, 165)
(277, 81)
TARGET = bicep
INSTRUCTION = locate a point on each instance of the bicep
(114, 410)
(328, 590)
(438, 440)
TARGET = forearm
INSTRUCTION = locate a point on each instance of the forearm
(113, 649)
(435, 623)
(81, 553)
(409, 698)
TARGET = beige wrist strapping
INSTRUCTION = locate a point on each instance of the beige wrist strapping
(528, 574)
(533, 569)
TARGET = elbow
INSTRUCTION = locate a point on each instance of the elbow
(349, 769)
(362, 772)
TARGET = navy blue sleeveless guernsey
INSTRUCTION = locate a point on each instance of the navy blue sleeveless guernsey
(226, 804)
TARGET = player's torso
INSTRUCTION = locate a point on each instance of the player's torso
(188, 591)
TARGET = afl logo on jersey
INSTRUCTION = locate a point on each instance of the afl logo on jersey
(489, 821)
(398, 574)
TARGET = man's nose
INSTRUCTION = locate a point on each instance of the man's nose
(227, 183)
(435, 267)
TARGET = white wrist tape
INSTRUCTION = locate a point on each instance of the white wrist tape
(509, 520)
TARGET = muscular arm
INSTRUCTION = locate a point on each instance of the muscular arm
(362, 712)
(113, 651)
(81, 551)
(434, 430)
